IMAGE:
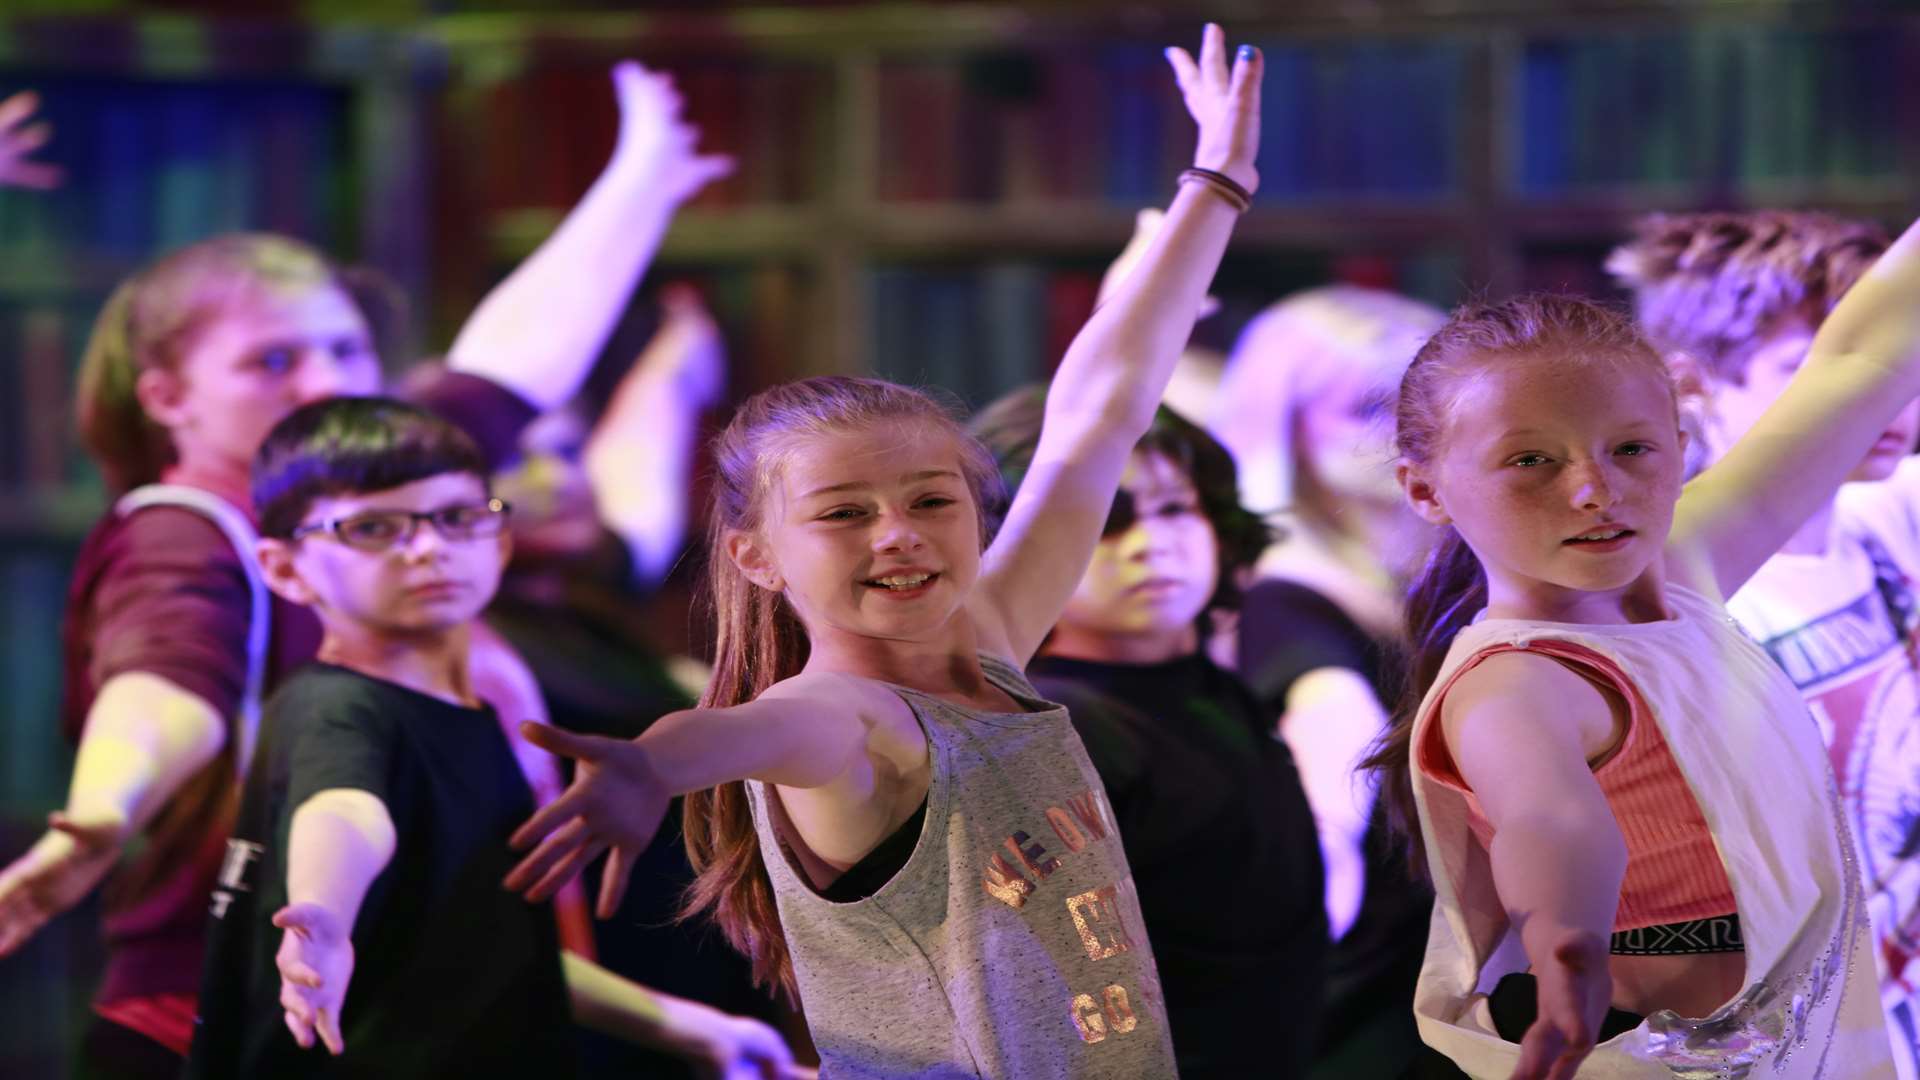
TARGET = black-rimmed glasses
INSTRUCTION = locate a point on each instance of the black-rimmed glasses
(378, 530)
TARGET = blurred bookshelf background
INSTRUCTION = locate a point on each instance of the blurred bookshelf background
(925, 191)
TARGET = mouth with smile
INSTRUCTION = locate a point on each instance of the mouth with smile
(902, 583)
(1603, 539)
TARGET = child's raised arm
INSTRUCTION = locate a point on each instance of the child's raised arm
(1110, 382)
(538, 332)
(807, 732)
(339, 841)
(1862, 369)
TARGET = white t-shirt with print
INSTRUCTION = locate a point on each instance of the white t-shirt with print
(1845, 627)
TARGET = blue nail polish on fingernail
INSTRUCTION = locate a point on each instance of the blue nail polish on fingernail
(1246, 52)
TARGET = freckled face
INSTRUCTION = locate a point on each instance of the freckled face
(1560, 476)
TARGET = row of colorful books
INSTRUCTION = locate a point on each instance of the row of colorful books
(152, 165)
(1340, 118)
(1721, 109)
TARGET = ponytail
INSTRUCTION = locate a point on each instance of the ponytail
(131, 448)
(1451, 589)
(758, 644)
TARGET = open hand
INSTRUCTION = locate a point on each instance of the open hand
(1224, 102)
(19, 139)
(653, 136)
(60, 868)
(726, 1047)
(1574, 989)
(691, 346)
(316, 963)
(615, 804)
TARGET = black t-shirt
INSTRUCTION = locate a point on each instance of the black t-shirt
(585, 633)
(1286, 631)
(453, 975)
(1223, 851)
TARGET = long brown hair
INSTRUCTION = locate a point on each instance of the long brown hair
(1452, 588)
(758, 639)
(153, 319)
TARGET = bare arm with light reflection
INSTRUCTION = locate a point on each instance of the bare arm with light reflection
(539, 331)
(144, 737)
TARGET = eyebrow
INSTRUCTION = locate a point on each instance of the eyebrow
(910, 478)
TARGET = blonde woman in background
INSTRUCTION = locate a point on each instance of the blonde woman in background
(1304, 405)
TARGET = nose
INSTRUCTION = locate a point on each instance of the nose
(423, 542)
(323, 375)
(1147, 538)
(1593, 486)
(896, 534)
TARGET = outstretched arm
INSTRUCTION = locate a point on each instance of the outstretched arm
(339, 841)
(807, 732)
(145, 736)
(640, 456)
(1862, 369)
(725, 1046)
(1111, 380)
(538, 332)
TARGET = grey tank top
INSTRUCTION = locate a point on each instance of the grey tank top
(1010, 945)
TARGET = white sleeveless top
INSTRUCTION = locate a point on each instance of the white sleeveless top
(1742, 738)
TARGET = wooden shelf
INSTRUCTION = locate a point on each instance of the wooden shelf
(906, 229)
(60, 517)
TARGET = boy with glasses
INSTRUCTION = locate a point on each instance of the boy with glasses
(372, 835)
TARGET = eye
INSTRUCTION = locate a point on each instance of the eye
(374, 529)
(276, 361)
(1634, 449)
(462, 517)
(935, 502)
(351, 348)
(1176, 508)
(1527, 461)
(840, 513)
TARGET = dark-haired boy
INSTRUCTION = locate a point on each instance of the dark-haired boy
(360, 903)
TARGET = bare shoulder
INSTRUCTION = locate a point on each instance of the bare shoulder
(833, 696)
(1531, 698)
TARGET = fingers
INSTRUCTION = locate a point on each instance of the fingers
(32, 174)
(301, 1028)
(1213, 56)
(30, 138)
(18, 107)
(1185, 71)
(613, 883)
(1244, 88)
(298, 918)
(709, 167)
(1541, 1045)
(329, 1028)
(91, 836)
(565, 870)
(565, 743)
(554, 815)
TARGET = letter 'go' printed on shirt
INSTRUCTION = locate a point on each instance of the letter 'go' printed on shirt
(1014, 872)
